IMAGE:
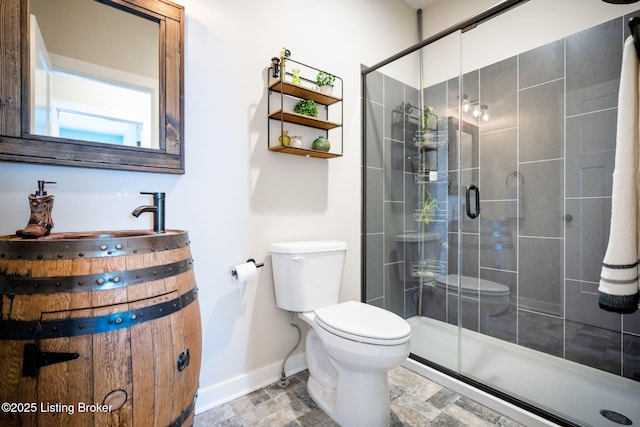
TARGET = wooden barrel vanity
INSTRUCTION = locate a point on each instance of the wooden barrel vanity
(99, 329)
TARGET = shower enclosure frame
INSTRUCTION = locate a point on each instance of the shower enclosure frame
(462, 26)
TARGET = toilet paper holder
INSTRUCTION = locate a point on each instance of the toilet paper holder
(234, 273)
(258, 265)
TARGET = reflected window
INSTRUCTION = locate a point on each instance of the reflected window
(87, 127)
(84, 74)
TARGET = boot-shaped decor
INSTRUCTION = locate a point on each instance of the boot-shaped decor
(40, 220)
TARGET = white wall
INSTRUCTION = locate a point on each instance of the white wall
(237, 197)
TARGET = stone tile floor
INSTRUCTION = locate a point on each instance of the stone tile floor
(415, 401)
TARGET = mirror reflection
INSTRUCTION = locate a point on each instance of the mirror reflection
(94, 73)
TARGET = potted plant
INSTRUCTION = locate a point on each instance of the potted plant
(306, 107)
(429, 119)
(426, 136)
(325, 82)
(429, 207)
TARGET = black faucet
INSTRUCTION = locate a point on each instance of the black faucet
(157, 209)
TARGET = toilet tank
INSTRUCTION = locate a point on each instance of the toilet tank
(307, 275)
(415, 247)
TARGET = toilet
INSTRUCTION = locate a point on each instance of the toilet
(350, 346)
(494, 298)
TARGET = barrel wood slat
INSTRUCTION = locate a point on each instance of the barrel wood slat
(142, 359)
(141, 314)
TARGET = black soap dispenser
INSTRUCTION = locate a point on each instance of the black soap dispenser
(40, 220)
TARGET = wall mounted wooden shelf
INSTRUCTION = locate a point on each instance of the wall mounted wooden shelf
(304, 152)
(301, 119)
(303, 92)
(283, 95)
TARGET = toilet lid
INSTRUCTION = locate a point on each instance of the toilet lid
(469, 285)
(363, 323)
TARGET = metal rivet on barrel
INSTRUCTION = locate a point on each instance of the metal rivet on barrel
(118, 320)
(134, 317)
(80, 254)
(81, 326)
(60, 255)
(100, 281)
(135, 251)
(116, 279)
(80, 283)
(155, 272)
(2, 255)
(109, 253)
(40, 256)
(118, 245)
(36, 285)
(103, 247)
(57, 284)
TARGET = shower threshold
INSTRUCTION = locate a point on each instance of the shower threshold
(568, 390)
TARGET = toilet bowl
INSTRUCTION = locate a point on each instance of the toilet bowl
(494, 297)
(422, 249)
(350, 346)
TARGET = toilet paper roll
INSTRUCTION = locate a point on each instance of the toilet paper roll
(242, 273)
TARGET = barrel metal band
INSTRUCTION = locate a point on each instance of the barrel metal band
(36, 249)
(184, 414)
(43, 329)
(25, 285)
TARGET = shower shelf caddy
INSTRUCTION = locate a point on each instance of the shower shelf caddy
(280, 110)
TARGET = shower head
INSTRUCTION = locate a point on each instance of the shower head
(620, 1)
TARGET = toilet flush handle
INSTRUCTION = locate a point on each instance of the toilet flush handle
(298, 258)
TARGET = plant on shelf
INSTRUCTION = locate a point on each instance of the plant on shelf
(404, 108)
(325, 79)
(429, 119)
(430, 205)
(325, 82)
(306, 107)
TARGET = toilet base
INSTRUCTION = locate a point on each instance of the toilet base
(360, 399)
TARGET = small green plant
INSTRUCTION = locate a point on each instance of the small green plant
(429, 119)
(429, 205)
(404, 108)
(325, 79)
(307, 107)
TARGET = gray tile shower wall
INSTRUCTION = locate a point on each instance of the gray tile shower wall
(543, 162)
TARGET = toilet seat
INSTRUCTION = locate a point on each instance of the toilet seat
(364, 323)
(473, 286)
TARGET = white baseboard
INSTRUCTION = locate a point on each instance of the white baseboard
(505, 408)
(217, 394)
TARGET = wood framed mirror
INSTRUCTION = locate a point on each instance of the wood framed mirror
(22, 138)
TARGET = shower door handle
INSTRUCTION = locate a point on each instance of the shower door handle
(476, 190)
